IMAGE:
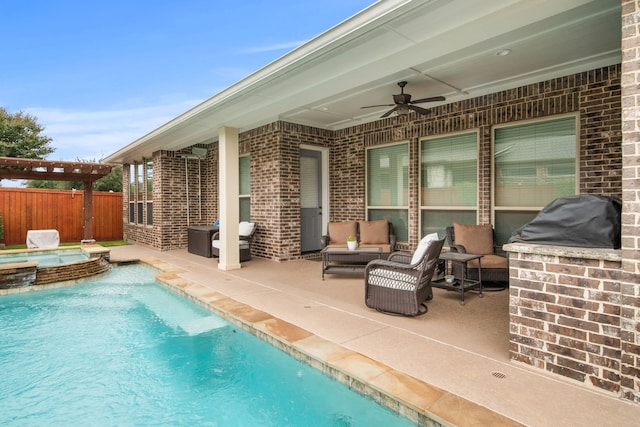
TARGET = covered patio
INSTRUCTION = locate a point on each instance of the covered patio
(506, 69)
(457, 355)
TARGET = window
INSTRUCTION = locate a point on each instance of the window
(245, 188)
(132, 194)
(534, 163)
(448, 182)
(149, 195)
(388, 186)
(140, 193)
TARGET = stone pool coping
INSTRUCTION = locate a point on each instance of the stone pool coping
(420, 402)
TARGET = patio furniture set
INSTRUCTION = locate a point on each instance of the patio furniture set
(399, 282)
(396, 282)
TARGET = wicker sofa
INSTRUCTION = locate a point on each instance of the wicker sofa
(369, 234)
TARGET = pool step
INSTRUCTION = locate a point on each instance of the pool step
(177, 316)
(203, 324)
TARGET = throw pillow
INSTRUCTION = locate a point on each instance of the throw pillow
(423, 246)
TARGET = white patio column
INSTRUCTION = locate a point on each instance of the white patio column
(228, 198)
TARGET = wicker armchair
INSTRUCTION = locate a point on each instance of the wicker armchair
(246, 231)
(399, 286)
(480, 240)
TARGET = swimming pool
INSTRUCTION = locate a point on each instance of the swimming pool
(122, 350)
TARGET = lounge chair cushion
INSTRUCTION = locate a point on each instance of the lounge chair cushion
(423, 246)
(243, 244)
(374, 232)
(476, 239)
(489, 261)
(340, 231)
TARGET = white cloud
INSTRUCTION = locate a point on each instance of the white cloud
(92, 135)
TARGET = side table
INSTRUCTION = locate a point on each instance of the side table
(460, 284)
(199, 239)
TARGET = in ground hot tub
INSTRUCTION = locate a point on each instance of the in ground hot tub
(20, 268)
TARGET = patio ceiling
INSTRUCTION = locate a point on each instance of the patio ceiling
(440, 47)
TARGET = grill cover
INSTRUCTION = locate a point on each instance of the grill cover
(585, 220)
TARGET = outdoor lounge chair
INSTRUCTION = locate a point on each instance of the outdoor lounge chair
(246, 230)
(401, 284)
(479, 240)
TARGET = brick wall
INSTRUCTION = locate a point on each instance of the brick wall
(565, 312)
(594, 94)
(630, 291)
(274, 150)
(576, 313)
(275, 185)
(170, 220)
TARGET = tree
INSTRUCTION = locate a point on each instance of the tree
(111, 182)
(21, 136)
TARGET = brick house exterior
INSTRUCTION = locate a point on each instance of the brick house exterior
(275, 166)
(573, 313)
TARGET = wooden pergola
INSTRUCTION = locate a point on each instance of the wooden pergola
(51, 170)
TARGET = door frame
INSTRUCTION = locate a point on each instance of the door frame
(324, 178)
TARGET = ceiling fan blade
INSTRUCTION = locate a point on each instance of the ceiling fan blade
(388, 113)
(419, 110)
(432, 99)
(382, 105)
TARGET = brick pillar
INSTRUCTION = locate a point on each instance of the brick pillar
(630, 287)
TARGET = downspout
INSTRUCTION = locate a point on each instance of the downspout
(186, 158)
(186, 180)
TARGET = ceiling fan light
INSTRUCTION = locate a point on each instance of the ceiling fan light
(402, 110)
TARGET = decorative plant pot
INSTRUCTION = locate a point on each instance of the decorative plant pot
(352, 245)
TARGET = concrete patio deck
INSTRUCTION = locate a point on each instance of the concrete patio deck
(458, 353)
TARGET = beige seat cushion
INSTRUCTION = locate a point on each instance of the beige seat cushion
(476, 239)
(374, 232)
(489, 261)
(340, 231)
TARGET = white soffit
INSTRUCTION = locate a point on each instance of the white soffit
(441, 47)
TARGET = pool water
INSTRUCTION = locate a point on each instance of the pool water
(46, 258)
(122, 350)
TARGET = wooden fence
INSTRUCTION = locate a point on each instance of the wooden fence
(26, 209)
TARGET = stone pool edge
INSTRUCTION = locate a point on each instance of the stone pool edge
(414, 399)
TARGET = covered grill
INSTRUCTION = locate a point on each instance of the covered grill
(585, 220)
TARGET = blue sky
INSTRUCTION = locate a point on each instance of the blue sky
(99, 75)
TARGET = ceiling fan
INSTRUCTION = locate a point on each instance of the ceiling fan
(403, 104)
